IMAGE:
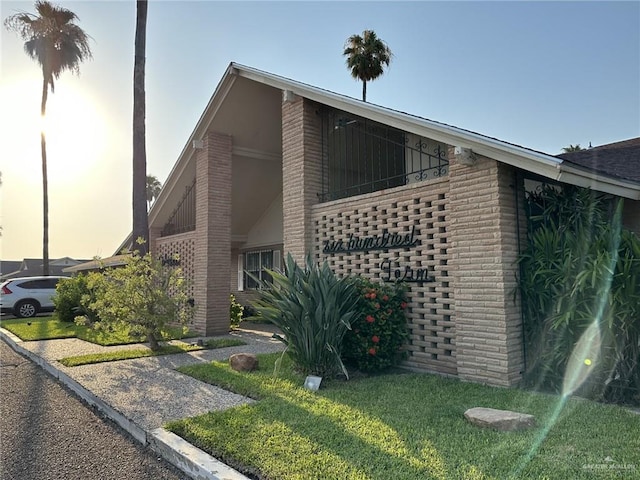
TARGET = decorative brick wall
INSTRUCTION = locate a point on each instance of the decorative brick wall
(423, 209)
(483, 254)
(213, 235)
(184, 245)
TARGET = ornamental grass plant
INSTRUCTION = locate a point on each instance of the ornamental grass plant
(313, 308)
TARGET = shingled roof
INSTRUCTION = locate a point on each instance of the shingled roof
(619, 159)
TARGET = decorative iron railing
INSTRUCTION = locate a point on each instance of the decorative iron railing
(183, 218)
(363, 156)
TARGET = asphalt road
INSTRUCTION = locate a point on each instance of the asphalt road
(46, 433)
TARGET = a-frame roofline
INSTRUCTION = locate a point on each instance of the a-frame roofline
(539, 163)
(531, 160)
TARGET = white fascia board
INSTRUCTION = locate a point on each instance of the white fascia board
(181, 164)
(584, 178)
(199, 131)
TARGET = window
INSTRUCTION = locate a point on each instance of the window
(252, 265)
(363, 156)
(183, 218)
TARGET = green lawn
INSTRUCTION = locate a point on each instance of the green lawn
(49, 328)
(406, 426)
(117, 355)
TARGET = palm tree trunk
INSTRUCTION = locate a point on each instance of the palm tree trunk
(364, 90)
(140, 220)
(45, 185)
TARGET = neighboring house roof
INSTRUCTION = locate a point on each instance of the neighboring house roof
(235, 79)
(31, 267)
(620, 159)
(9, 266)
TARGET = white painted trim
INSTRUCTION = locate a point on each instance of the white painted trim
(241, 272)
(277, 259)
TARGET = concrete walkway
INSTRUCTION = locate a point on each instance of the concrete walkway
(143, 394)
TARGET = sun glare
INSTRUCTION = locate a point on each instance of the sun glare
(73, 125)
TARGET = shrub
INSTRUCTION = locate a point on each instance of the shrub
(581, 270)
(248, 311)
(314, 309)
(235, 312)
(379, 330)
(144, 295)
(73, 296)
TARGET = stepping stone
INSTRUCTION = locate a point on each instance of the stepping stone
(503, 420)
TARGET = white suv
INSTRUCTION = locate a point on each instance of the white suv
(28, 296)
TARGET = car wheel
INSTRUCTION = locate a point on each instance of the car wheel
(26, 309)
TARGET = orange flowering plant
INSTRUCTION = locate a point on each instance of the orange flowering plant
(379, 330)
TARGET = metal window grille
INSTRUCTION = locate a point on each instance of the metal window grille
(362, 156)
(183, 218)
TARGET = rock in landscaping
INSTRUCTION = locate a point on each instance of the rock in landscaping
(503, 420)
(243, 362)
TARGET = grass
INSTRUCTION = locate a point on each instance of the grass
(147, 352)
(405, 426)
(49, 328)
(126, 355)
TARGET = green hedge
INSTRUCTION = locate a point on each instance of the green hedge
(580, 273)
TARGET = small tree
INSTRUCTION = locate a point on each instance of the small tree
(145, 295)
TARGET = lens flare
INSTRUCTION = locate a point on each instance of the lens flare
(585, 353)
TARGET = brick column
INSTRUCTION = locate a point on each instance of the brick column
(154, 235)
(301, 173)
(213, 235)
(484, 250)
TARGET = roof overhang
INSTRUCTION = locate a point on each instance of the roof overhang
(98, 264)
(533, 161)
(539, 163)
(582, 177)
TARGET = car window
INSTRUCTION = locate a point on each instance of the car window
(51, 283)
(41, 284)
(30, 284)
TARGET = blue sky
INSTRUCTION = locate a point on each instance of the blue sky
(539, 74)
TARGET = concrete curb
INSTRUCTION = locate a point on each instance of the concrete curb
(196, 463)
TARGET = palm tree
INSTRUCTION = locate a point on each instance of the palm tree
(367, 56)
(54, 41)
(153, 189)
(140, 220)
(572, 148)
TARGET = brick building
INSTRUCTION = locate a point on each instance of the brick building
(275, 166)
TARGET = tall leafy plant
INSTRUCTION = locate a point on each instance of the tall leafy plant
(580, 268)
(313, 308)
